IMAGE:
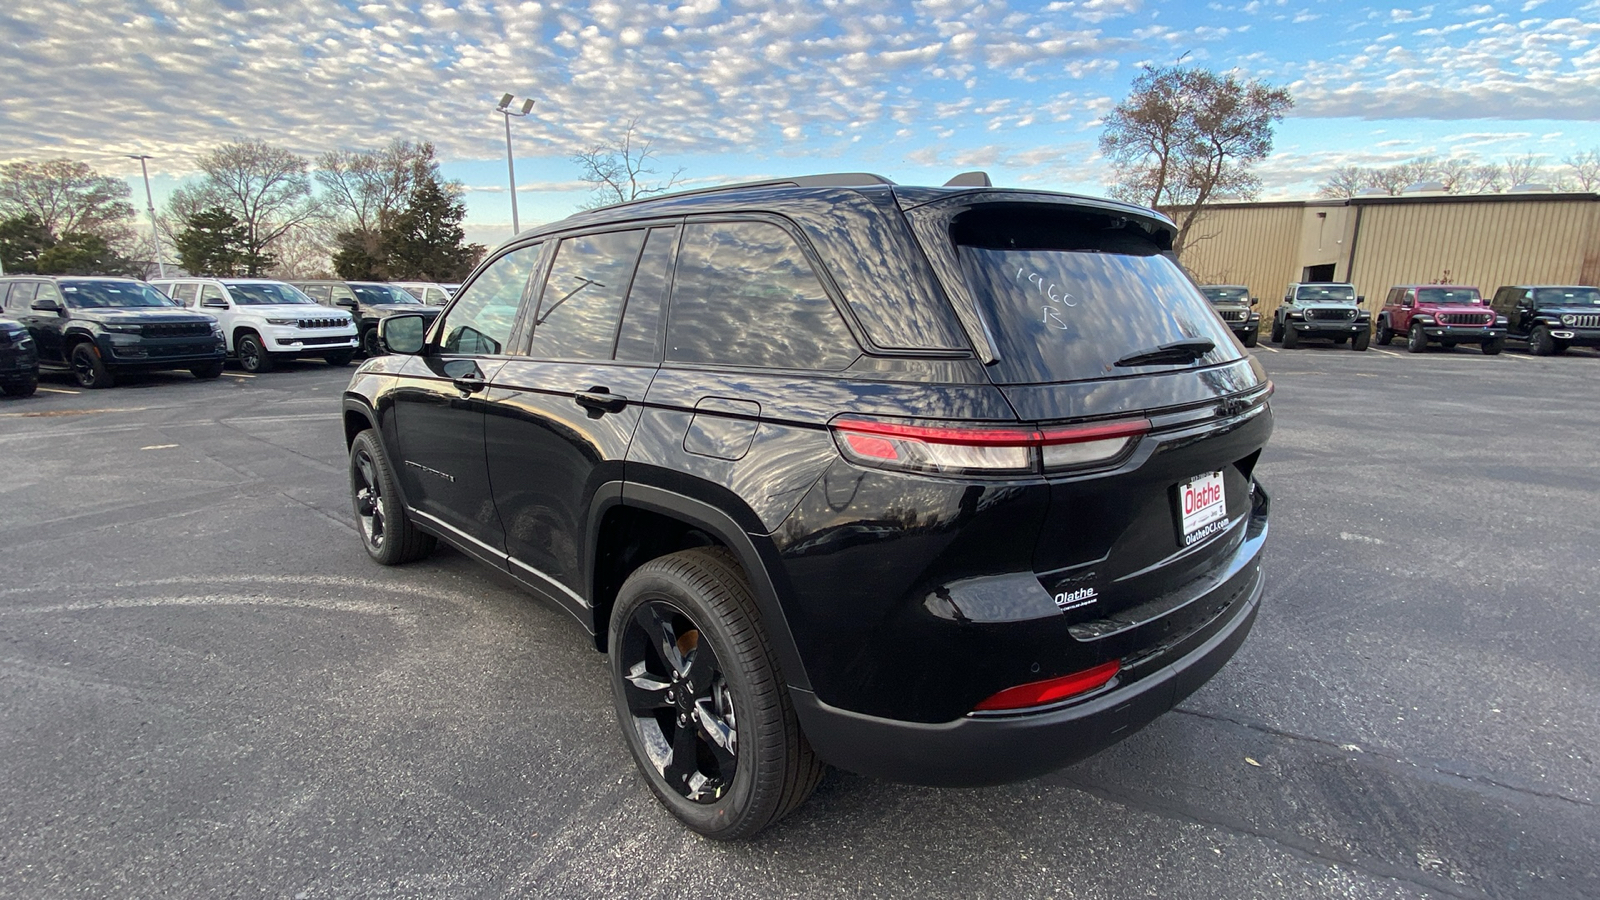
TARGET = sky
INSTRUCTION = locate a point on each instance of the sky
(730, 90)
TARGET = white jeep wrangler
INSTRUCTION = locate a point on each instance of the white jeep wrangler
(264, 319)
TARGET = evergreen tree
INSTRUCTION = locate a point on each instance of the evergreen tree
(215, 242)
(22, 239)
(359, 256)
(424, 241)
(84, 253)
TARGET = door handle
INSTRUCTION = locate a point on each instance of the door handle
(469, 384)
(600, 400)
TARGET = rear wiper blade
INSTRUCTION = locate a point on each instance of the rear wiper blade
(1175, 353)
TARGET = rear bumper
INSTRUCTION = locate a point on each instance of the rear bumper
(985, 749)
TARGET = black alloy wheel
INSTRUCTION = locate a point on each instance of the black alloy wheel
(89, 369)
(386, 532)
(370, 345)
(1540, 343)
(1385, 333)
(253, 355)
(1416, 340)
(700, 700)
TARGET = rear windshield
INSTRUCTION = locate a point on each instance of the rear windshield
(1226, 294)
(1066, 295)
(1323, 293)
(1448, 295)
(1567, 296)
(257, 293)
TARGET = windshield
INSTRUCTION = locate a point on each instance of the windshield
(1448, 295)
(382, 293)
(1218, 294)
(1567, 296)
(1068, 294)
(112, 294)
(257, 293)
(1325, 293)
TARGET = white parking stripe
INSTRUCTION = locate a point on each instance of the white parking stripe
(1265, 347)
(238, 375)
(59, 391)
(1386, 352)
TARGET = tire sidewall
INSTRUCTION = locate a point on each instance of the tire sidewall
(388, 498)
(97, 367)
(253, 354)
(722, 818)
(1416, 341)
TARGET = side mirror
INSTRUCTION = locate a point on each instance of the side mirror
(214, 303)
(1254, 300)
(404, 333)
(1360, 299)
(47, 305)
(346, 302)
(1407, 303)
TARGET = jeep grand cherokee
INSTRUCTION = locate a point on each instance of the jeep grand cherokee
(951, 486)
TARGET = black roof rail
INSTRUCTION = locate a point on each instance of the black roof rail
(837, 179)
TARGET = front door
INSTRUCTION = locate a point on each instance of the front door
(439, 406)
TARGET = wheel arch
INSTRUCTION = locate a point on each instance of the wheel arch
(633, 524)
(240, 331)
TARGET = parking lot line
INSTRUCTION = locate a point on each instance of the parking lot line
(1386, 352)
(58, 391)
(238, 375)
(1265, 347)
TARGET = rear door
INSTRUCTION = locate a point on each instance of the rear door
(562, 413)
(439, 403)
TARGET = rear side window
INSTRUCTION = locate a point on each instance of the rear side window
(745, 295)
(22, 293)
(582, 300)
(639, 339)
(1067, 294)
(184, 293)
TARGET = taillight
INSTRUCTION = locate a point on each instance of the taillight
(953, 448)
(1051, 690)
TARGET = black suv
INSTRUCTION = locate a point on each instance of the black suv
(1550, 317)
(95, 327)
(19, 359)
(1233, 303)
(369, 302)
(947, 485)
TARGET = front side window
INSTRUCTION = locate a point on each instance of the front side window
(383, 293)
(582, 300)
(184, 293)
(481, 321)
(111, 294)
(211, 292)
(1068, 296)
(317, 292)
(745, 295)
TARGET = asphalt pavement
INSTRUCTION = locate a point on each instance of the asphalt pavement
(207, 689)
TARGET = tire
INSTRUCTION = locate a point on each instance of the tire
(1416, 340)
(386, 532)
(340, 358)
(88, 369)
(1448, 345)
(1385, 333)
(737, 714)
(1252, 339)
(369, 343)
(1291, 338)
(1360, 340)
(22, 388)
(207, 371)
(1492, 347)
(1340, 340)
(253, 355)
(1277, 331)
(1540, 343)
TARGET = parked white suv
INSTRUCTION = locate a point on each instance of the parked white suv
(427, 291)
(264, 319)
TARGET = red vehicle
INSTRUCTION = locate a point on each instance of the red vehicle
(1444, 313)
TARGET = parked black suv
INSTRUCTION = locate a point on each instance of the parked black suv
(1233, 303)
(369, 302)
(19, 359)
(96, 327)
(1550, 317)
(948, 485)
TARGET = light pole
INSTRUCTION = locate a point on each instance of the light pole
(150, 205)
(504, 108)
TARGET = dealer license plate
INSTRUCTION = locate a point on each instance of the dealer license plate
(1202, 507)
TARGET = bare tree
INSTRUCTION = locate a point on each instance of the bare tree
(266, 188)
(66, 197)
(1524, 170)
(1455, 174)
(1585, 167)
(1344, 183)
(1185, 136)
(623, 169)
(365, 187)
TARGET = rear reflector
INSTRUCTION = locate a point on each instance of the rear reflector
(1039, 693)
(954, 448)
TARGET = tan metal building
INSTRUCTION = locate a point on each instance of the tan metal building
(1377, 242)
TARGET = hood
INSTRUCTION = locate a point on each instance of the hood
(141, 315)
(299, 310)
(1568, 310)
(390, 309)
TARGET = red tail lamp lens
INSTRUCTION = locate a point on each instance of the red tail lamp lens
(956, 448)
(1050, 690)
